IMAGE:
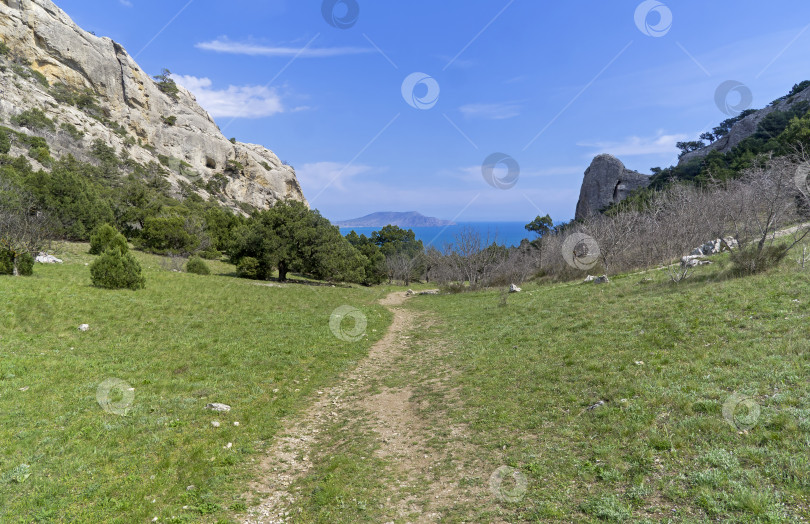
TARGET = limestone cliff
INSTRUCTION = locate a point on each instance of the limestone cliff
(607, 182)
(136, 116)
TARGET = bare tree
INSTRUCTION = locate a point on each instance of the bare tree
(613, 234)
(757, 205)
(23, 228)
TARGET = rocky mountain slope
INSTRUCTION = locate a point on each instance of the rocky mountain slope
(93, 90)
(608, 182)
(747, 126)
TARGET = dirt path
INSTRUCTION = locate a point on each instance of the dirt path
(392, 415)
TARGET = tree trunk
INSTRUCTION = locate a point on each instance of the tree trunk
(15, 271)
(282, 271)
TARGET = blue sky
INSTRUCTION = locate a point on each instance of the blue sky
(550, 84)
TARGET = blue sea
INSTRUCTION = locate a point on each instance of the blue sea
(504, 233)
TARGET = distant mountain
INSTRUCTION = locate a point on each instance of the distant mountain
(384, 218)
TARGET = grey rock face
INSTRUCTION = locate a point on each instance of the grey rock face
(607, 182)
(42, 34)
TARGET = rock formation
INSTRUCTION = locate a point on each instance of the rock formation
(607, 182)
(137, 117)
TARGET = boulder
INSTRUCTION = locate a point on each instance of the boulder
(42, 258)
(216, 406)
(597, 280)
(694, 261)
(607, 182)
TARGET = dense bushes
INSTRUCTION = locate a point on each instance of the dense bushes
(291, 237)
(167, 235)
(24, 263)
(248, 267)
(117, 270)
(197, 266)
(106, 237)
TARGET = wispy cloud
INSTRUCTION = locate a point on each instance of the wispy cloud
(125, 3)
(223, 45)
(235, 101)
(315, 176)
(473, 175)
(660, 144)
(497, 111)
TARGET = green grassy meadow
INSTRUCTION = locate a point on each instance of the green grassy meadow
(184, 341)
(663, 358)
(655, 361)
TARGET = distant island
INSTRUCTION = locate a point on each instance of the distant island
(384, 218)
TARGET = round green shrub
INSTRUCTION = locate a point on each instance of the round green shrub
(197, 266)
(117, 270)
(25, 264)
(248, 267)
(106, 237)
(6, 262)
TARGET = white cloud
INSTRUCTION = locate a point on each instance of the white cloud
(223, 45)
(125, 3)
(498, 111)
(235, 101)
(318, 176)
(660, 144)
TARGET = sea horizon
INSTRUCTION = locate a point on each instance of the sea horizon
(508, 233)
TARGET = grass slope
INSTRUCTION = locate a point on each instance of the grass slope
(184, 341)
(664, 359)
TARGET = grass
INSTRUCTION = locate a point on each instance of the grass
(608, 399)
(184, 341)
(663, 359)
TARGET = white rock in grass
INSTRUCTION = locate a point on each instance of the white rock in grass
(84, 327)
(216, 406)
(236, 423)
(514, 289)
(215, 423)
(42, 258)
